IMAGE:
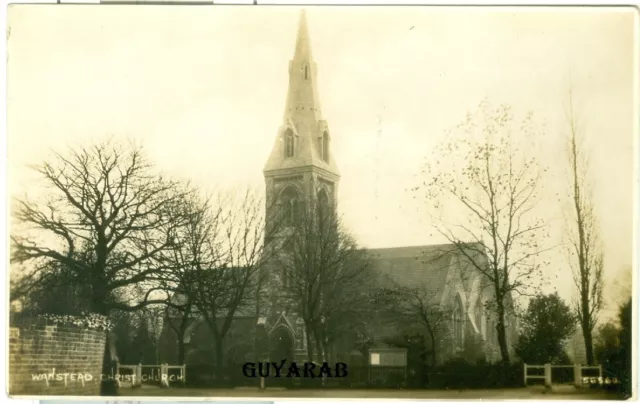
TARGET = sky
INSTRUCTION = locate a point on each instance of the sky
(203, 89)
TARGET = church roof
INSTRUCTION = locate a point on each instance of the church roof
(419, 266)
(413, 266)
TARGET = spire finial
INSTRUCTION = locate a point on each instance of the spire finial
(303, 46)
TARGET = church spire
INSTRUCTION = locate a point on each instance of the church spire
(303, 45)
(303, 103)
(304, 136)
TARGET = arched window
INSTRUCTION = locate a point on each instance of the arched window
(492, 334)
(306, 72)
(289, 143)
(290, 201)
(325, 147)
(458, 324)
(479, 317)
(323, 205)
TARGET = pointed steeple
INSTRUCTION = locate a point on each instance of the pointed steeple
(303, 138)
(303, 93)
(303, 45)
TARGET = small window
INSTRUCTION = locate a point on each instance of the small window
(288, 143)
(479, 317)
(325, 147)
(323, 205)
(306, 72)
(290, 201)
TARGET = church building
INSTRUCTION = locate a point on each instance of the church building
(301, 168)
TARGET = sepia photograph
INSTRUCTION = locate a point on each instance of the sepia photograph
(270, 202)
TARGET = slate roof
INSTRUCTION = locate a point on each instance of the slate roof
(420, 266)
(427, 266)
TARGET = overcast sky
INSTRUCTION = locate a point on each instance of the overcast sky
(203, 88)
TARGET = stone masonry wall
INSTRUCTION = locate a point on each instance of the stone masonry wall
(55, 360)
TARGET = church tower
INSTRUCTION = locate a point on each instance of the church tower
(301, 176)
(301, 170)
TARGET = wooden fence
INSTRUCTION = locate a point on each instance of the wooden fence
(579, 379)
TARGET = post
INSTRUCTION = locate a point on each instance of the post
(138, 370)
(547, 375)
(600, 380)
(164, 372)
(265, 358)
(525, 375)
(577, 375)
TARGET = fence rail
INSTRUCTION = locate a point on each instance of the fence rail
(578, 379)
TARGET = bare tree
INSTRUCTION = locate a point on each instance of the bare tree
(153, 316)
(322, 267)
(103, 219)
(179, 317)
(216, 261)
(420, 305)
(345, 296)
(489, 183)
(583, 233)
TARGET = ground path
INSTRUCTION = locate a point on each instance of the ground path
(529, 393)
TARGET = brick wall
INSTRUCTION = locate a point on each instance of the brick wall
(55, 360)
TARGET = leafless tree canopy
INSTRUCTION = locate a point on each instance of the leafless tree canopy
(103, 218)
(486, 204)
(420, 305)
(214, 267)
(326, 274)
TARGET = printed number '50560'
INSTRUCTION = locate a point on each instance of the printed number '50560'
(599, 380)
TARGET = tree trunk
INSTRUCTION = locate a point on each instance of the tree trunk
(309, 345)
(99, 306)
(108, 387)
(319, 353)
(219, 360)
(433, 349)
(181, 351)
(99, 298)
(502, 334)
(588, 343)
